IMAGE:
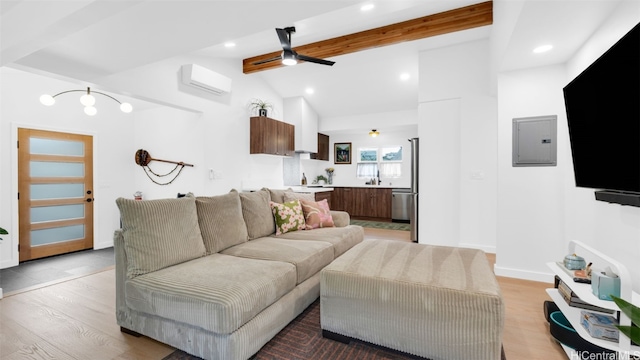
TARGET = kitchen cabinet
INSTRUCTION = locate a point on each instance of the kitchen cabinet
(369, 202)
(323, 148)
(270, 136)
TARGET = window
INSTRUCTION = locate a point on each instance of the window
(392, 153)
(367, 155)
(367, 170)
(385, 162)
(391, 165)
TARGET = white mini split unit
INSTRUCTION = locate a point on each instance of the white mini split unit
(205, 79)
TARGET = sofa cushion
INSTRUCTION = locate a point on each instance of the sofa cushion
(221, 222)
(257, 213)
(290, 196)
(340, 218)
(277, 195)
(341, 238)
(316, 214)
(159, 233)
(218, 293)
(309, 257)
(288, 216)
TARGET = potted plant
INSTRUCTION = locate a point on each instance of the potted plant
(321, 179)
(260, 107)
(3, 232)
(633, 312)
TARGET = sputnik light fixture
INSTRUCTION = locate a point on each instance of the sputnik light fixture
(374, 133)
(88, 100)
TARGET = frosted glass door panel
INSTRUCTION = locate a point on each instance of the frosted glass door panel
(55, 235)
(58, 212)
(56, 169)
(56, 191)
(56, 147)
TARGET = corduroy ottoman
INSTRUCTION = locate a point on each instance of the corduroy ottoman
(432, 301)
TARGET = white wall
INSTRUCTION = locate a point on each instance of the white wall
(540, 209)
(345, 174)
(205, 130)
(110, 129)
(531, 203)
(610, 228)
(458, 165)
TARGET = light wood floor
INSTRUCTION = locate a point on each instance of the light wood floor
(76, 320)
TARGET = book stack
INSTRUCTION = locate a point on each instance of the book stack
(573, 300)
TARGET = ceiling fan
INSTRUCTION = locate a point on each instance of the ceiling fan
(289, 56)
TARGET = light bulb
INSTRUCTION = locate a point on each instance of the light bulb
(126, 107)
(90, 110)
(289, 62)
(47, 100)
(288, 58)
(87, 100)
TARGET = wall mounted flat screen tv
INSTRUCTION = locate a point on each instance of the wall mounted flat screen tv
(603, 114)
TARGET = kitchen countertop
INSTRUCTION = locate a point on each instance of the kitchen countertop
(310, 189)
(299, 189)
(369, 186)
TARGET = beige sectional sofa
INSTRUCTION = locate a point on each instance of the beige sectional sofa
(208, 275)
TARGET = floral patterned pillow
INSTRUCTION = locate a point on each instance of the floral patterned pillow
(288, 216)
(317, 214)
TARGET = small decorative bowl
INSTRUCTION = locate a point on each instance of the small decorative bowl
(574, 262)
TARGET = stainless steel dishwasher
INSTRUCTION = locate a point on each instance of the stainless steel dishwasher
(400, 205)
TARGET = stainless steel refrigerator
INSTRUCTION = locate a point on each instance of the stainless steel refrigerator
(413, 214)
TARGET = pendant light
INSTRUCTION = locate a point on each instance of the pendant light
(88, 100)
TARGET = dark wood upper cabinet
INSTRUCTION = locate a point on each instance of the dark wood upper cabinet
(323, 148)
(270, 136)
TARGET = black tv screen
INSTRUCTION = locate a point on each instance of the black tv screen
(603, 114)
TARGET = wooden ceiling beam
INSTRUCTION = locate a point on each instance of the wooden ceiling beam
(463, 18)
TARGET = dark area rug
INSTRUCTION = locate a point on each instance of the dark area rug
(382, 225)
(302, 340)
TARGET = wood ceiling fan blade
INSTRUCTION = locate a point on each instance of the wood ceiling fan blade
(316, 60)
(283, 35)
(267, 60)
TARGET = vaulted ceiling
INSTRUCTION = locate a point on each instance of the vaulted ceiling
(91, 39)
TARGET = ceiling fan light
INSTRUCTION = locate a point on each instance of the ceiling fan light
(289, 61)
(288, 58)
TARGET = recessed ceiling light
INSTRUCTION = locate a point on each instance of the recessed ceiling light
(542, 48)
(229, 44)
(309, 91)
(367, 7)
(404, 76)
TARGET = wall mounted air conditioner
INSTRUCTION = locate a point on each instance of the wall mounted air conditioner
(205, 79)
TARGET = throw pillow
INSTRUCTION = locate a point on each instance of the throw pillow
(288, 216)
(221, 221)
(257, 213)
(317, 214)
(277, 195)
(159, 233)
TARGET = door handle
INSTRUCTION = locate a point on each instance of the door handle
(89, 200)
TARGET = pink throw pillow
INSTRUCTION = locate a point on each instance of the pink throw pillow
(316, 214)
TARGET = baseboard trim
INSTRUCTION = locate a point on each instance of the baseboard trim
(523, 274)
(485, 248)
